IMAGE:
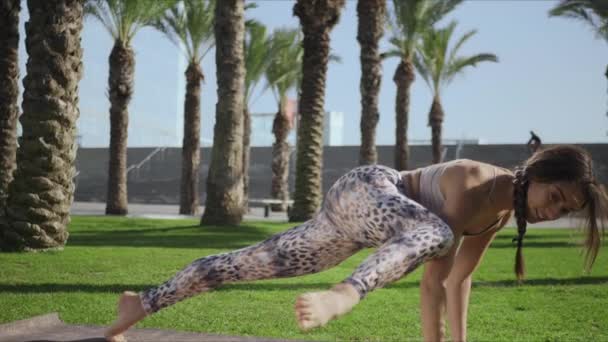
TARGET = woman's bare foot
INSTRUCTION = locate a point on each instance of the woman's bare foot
(315, 309)
(130, 311)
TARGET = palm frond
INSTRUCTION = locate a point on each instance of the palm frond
(409, 20)
(141, 13)
(441, 39)
(285, 69)
(123, 18)
(391, 53)
(398, 43)
(592, 12)
(250, 5)
(189, 24)
(458, 64)
(422, 69)
(200, 17)
(438, 9)
(437, 64)
(460, 42)
(98, 10)
(335, 58)
(603, 31)
(173, 25)
(257, 46)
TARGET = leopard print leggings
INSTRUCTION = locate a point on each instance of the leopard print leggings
(366, 207)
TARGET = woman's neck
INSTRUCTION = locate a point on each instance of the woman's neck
(502, 197)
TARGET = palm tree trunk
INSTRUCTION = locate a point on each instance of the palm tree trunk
(317, 18)
(9, 93)
(191, 155)
(41, 194)
(246, 155)
(371, 21)
(404, 78)
(224, 204)
(435, 121)
(280, 159)
(122, 68)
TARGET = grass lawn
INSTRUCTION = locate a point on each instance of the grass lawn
(105, 256)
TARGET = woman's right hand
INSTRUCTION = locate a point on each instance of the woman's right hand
(433, 294)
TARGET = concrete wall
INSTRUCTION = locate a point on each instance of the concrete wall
(157, 179)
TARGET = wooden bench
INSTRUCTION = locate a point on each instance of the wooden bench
(267, 202)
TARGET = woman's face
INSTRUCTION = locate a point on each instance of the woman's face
(550, 201)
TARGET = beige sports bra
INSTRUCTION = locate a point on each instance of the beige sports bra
(431, 196)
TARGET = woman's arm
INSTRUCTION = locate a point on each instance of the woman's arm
(458, 283)
(433, 295)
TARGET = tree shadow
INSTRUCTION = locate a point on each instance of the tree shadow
(277, 286)
(232, 237)
(143, 230)
(543, 282)
(567, 238)
(118, 288)
(535, 244)
(93, 339)
(527, 282)
(509, 237)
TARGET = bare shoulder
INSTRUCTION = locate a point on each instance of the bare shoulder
(463, 185)
(464, 174)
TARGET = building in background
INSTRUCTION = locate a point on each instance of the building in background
(261, 129)
(333, 129)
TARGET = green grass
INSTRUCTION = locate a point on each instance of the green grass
(105, 256)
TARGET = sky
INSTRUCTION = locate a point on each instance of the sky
(550, 79)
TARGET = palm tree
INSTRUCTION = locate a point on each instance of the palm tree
(592, 12)
(40, 196)
(224, 203)
(9, 93)
(438, 66)
(190, 24)
(407, 22)
(122, 19)
(282, 75)
(257, 59)
(317, 18)
(371, 27)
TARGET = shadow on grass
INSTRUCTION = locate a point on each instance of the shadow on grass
(194, 236)
(566, 238)
(93, 339)
(509, 237)
(118, 288)
(265, 286)
(535, 244)
(543, 282)
(527, 282)
(236, 237)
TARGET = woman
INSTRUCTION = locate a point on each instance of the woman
(444, 215)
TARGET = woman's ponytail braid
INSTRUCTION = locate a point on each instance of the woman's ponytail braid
(520, 194)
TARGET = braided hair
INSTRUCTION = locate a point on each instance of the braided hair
(561, 163)
(520, 194)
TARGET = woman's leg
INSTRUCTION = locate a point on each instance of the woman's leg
(309, 248)
(407, 235)
(400, 256)
(396, 258)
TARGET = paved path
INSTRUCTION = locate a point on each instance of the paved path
(49, 328)
(167, 211)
